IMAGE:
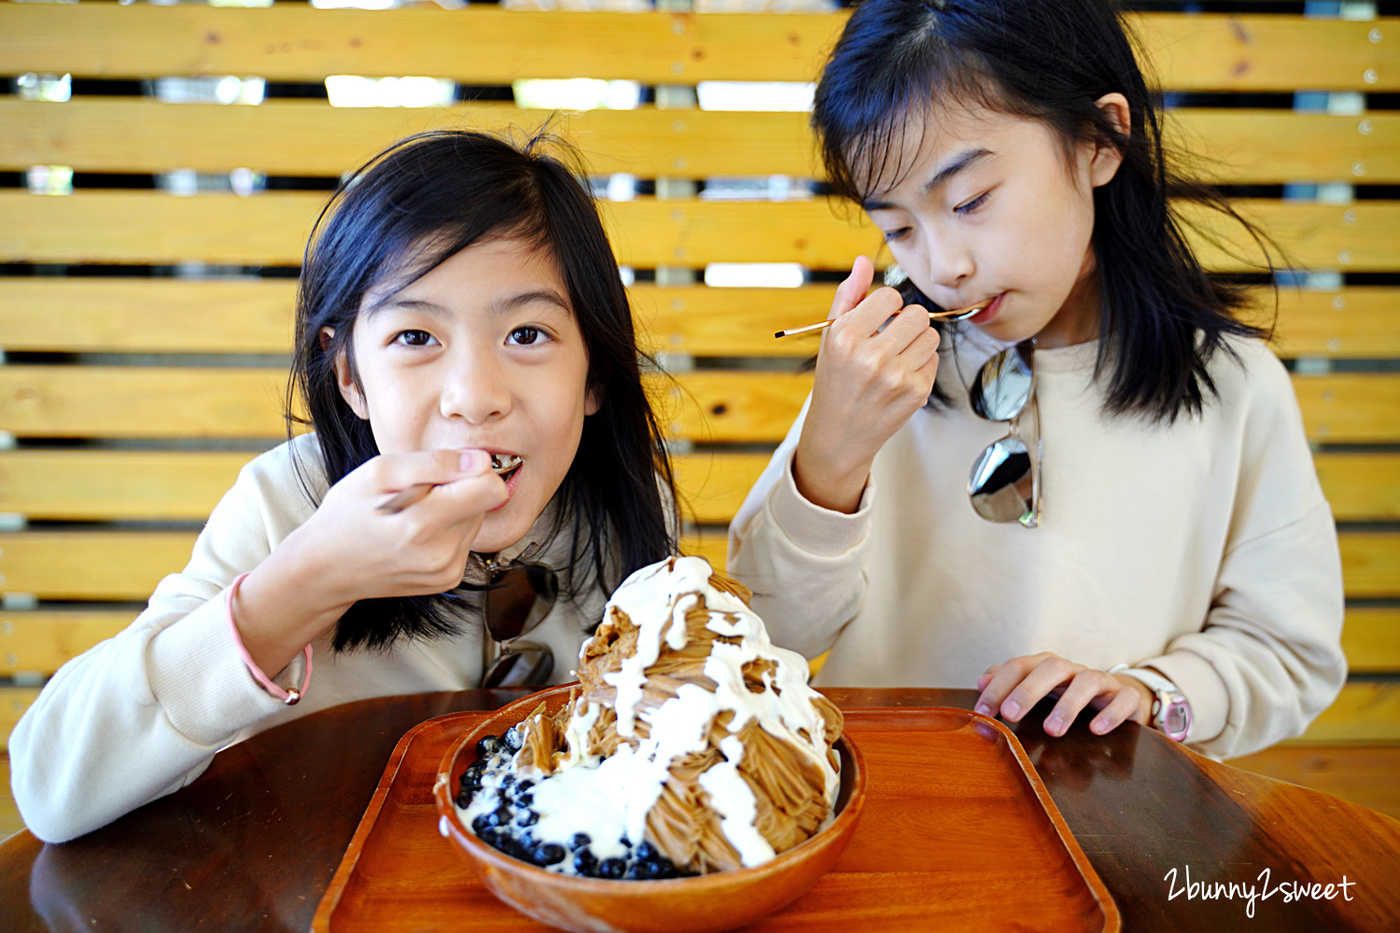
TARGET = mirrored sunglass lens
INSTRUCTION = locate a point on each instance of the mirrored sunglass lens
(1001, 484)
(519, 600)
(1002, 386)
(527, 666)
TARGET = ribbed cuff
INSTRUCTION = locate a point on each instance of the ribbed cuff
(812, 528)
(200, 681)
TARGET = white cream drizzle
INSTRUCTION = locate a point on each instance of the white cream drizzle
(611, 798)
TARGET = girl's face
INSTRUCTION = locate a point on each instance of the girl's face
(989, 205)
(483, 351)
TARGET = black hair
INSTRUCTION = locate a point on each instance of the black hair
(1162, 317)
(394, 220)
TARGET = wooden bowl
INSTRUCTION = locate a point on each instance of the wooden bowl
(702, 904)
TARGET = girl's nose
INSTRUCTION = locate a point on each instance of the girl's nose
(950, 263)
(475, 390)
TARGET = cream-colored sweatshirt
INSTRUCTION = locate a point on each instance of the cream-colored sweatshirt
(1203, 548)
(142, 714)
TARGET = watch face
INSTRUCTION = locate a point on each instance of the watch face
(1177, 721)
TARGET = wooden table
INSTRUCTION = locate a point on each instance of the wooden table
(254, 842)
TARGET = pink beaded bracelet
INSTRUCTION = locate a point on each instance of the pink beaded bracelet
(290, 697)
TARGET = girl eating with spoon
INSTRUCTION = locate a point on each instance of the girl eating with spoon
(1097, 488)
(484, 469)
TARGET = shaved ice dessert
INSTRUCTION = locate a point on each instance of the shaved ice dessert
(692, 745)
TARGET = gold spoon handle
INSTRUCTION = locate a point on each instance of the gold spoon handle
(956, 315)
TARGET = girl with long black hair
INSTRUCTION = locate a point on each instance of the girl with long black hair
(485, 467)
(1095, 485)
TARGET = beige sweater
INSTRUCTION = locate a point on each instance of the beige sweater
(142, 714)
(1204, 548)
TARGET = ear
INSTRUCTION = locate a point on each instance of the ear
(1106, 159)
(344, 379)
(592, 402)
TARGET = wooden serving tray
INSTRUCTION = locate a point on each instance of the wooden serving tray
(958, 833)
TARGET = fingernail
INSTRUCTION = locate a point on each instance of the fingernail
(474, 461)
(984, 709)
(1011, 709)
(1054, 724)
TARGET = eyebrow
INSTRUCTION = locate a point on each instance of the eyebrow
(961, 161)
(503, 306)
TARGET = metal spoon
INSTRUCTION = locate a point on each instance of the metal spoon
(956, 315)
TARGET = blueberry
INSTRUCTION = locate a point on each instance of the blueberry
(612, 868)
(585, 863)
(527, 818)
(646, 851)
(464, 799)
(508, 780)
(513, 739)
(480, 825)
(549, 853)
(579, 841)
(526, 785)
(525, 800)
(497, 817)
(488, 746)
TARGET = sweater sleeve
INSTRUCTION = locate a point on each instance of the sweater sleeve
(142, 714)
(805, 564)
(1268, 659)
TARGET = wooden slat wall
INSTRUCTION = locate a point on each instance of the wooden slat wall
(179, 380)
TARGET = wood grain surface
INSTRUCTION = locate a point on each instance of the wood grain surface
(253, 843)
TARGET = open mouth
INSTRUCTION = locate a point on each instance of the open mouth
(505, 465)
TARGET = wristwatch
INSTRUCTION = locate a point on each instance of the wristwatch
(1171, 712)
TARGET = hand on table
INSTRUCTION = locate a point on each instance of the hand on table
(1013, 688)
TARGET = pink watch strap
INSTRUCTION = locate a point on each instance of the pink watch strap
(290, 697)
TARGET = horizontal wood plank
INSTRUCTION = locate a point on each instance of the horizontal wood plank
(1360, 486)
(127, 565)
(299, 137)
(168, 315)
(1362, 774)
(1366, 711)
(271, 229)
(107, 565)
(294, 43)
(45, 401)
(44, 640)
(13, 702)
(139, 485)
(1371, 563)
(116, 485)
(157, 315)
(1371, 639)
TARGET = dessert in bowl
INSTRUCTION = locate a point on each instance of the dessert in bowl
(692, 780)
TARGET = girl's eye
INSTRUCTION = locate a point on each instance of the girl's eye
(526, 335)
(892, 236)
(413, 338)
(969, 206)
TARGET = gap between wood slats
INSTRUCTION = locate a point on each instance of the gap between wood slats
(127, 565)
(705, 405)
(306, 138)
(271, 229)
(131, 485)
(1203, 51)
(123, 315)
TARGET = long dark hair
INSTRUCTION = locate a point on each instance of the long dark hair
(1163, 317)
(401, 215)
